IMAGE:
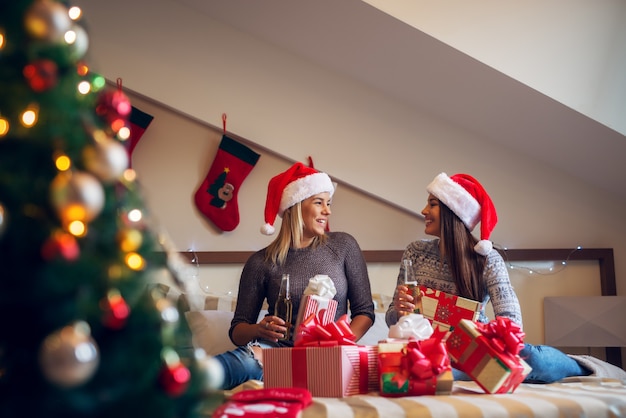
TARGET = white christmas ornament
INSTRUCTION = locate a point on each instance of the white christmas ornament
(69, 356)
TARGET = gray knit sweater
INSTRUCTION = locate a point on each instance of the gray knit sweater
(340, 258)
(432, 273)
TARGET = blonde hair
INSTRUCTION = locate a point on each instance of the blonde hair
(291, 230)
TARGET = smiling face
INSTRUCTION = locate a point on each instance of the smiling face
(432, 217)
(315, 214)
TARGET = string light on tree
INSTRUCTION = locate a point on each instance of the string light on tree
(77, 247)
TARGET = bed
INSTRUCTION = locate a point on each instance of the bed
(573, 397)
(601, 395)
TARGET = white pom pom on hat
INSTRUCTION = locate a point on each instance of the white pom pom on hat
(467, 198)
(286, 189)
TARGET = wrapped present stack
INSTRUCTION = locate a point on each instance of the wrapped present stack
(488, 353)
(325, 360)
(318, 299)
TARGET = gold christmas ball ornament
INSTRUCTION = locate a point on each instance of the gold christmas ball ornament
(69, 357)
(47, 20)
(106, 158)
(77, 196)
(129, 239)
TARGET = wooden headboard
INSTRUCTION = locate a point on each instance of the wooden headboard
(603, 256)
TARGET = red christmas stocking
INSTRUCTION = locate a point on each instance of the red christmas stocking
(217, 196)
(139, 122)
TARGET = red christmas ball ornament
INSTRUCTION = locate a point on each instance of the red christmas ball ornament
(116, 310)
(41, 75)
(60, 244)
(174, 378)
(114, 107)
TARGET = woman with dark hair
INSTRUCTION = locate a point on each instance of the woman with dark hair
(458, 263)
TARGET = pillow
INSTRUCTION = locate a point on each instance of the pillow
(209, 330)
(381, 302)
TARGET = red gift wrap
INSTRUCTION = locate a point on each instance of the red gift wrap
(314, 331)
(414, 368)
(319, 306)
(335, 371)
(488, 353)
(325, 360)
(445, 310)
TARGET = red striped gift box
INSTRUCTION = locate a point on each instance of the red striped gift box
(312, 305)
(333, 372)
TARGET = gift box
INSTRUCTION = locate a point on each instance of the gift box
(335, 372)
(317, 300)
(414, 368)
(445, 310)
(488, 353)
(319, 306)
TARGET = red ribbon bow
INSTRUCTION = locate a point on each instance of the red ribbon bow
(504, 335)
(311, 332)
(423, 360)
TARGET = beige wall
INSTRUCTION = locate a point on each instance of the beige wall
(294, 109)
(175, 154)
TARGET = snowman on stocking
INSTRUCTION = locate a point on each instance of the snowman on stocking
(216, 198)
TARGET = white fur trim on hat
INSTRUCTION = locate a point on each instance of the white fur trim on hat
(284, 190)
(483, 247)
(459, 200)
(303, 188)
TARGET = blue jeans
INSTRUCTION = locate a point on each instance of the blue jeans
(549, 365)
(240, 365)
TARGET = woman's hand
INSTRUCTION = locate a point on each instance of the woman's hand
(403, 303)
(271, 328)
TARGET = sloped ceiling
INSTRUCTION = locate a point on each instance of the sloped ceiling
(358, 40)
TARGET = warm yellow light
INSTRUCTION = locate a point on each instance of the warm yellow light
(4, 126)
(135, 215)
(130, 175)
(70, 37)
(130, 240)
(124, 133)
(75, 213)
(134, 261)
(74, 12)
(1, 40)
(63, 163)
(29, 117)
(77, 228)
(82, 69)
(84, 87)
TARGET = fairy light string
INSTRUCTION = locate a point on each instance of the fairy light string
(562, 265)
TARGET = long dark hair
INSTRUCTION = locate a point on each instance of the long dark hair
(465, 263)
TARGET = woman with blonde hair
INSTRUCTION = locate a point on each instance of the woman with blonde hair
(303, 248)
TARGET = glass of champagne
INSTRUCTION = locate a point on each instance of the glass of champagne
(410, 281)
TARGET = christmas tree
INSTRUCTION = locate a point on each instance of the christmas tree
(82, 333)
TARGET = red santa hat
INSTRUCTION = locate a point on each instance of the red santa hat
(467, 198)
(286, 189)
